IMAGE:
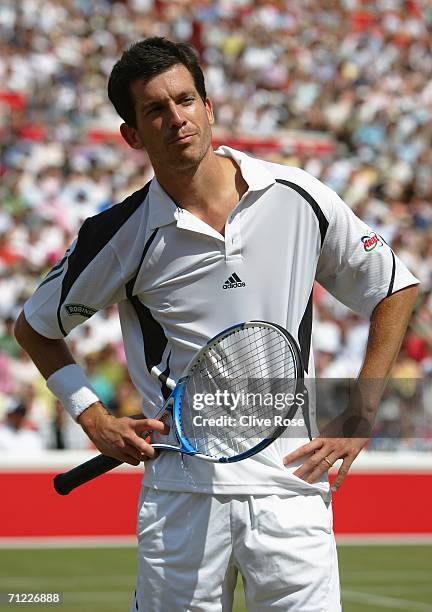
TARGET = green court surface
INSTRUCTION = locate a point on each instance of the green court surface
(374, 578)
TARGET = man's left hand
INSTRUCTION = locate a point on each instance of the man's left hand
(321, 454)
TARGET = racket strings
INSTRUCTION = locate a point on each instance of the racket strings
(255, 356)
(221, 436)
(232, 379)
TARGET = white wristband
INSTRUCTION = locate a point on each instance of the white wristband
(73, 390)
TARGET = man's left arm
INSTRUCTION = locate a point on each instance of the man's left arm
(344, 437)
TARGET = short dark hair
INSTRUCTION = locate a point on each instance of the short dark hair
(144, 60)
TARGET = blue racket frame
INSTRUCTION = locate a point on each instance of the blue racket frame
(174, 404)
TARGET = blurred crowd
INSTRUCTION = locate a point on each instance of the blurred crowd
(357, 73)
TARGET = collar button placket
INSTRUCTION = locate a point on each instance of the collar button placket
(232, 239)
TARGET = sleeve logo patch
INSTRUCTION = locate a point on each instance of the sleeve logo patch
(371, 242)
(80, 310)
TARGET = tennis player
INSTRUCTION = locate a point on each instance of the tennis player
(216, 237)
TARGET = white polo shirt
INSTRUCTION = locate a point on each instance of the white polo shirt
(178, 282)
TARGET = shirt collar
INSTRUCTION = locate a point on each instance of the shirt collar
(253, 170)
(163, 209)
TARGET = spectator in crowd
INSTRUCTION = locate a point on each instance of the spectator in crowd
(17, 434)
(8, 344)
(126, 401)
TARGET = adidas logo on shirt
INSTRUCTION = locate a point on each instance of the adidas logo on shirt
(233, 282)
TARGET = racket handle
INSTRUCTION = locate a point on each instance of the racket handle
(68, 481)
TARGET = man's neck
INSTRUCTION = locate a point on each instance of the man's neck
(209, 191)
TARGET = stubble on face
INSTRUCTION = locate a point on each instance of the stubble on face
(173, 122)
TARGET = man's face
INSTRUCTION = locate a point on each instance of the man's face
(173, 122)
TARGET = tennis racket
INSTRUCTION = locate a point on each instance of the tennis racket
(221, 409)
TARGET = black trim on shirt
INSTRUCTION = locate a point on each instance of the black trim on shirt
(94, 235)
(60, 264)
(153, 335)
(166, 391)
(305, 333)
(50, 278)
(50, 275)
(322, 221)
(154, 338)
(131, 284)
(390, 289)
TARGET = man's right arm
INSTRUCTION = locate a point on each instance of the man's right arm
(119, 438)
(47, 355)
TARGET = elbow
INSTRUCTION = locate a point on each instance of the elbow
(26, 336)
(21, 329)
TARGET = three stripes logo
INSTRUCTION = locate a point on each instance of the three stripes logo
(233, 282)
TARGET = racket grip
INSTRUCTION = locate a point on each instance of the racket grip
(68, 481)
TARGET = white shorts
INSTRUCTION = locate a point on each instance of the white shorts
(192, 545)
